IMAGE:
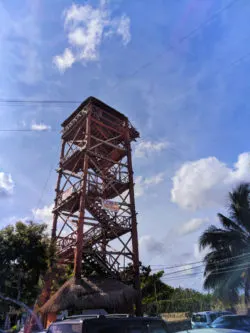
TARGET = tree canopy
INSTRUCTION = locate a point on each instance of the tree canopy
(24, 253)
(227, 267)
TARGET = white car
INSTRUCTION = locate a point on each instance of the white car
(205, 319)
(213, 330)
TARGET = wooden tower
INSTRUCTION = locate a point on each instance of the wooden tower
(94, 215)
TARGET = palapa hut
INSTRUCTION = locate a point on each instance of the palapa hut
(90, 293)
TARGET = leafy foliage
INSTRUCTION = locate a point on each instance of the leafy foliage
(227, 269)
(24, 253)
(153, 289)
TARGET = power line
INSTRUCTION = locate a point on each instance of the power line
(180, 40)
(175, 266)
(27, 130)
(219, 271)
(14, 101)
(182, 270)
(45, 186)
(198, 262)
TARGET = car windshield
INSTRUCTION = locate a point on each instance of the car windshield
(232, 321)
(125, 327)
(65, 328)
(200, 318)
(213, 316)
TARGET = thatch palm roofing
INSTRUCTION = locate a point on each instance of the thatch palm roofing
(91, 293)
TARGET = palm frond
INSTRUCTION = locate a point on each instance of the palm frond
(239, 207)
(217, 238)
(229, 224)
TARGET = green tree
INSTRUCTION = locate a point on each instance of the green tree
(153, 289)
(227, 265)
(24, 255)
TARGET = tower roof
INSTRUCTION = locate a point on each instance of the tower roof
(98, 103)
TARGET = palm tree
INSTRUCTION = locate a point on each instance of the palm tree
(227, 265)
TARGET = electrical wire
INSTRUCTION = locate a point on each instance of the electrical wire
(181, 40)
(222, 271)
(185, 37)
(13, 101)
(28, 130)
(175, 266)
(202, 261)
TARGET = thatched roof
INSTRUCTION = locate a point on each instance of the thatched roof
(91, 293)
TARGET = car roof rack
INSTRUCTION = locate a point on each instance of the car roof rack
(82, 316)
(119, 315)
(101, 316)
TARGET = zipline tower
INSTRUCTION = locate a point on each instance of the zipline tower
(94, 215)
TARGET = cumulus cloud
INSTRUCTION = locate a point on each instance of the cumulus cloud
(6, 185)
(86, 28)
(146, 148)
(192, 225)
(64, 60)
(142, 184)
(44, 215)
(40, 127)
(151, 245)
(205, 182)
(200, 254)
(123, 29)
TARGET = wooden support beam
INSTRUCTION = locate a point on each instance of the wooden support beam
(108, 159)
(107, 142)
(71, 173)
(107, 126)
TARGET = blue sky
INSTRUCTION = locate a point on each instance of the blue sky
(177, 69)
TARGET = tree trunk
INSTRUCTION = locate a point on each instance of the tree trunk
(246, 291)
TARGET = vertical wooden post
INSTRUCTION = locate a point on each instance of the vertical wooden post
(80, 226)
(54, 226)
(136, 263)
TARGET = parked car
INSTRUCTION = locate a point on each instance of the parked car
(213, 330)
(240, 322)
(205, 319)
(109, 324)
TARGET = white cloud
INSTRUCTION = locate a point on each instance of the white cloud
(86, 28)
(189, 269)
(200, 254)
(151, 245)
(142, 184)
(146, 148)
(21, 39)
(65, 60)
(206, 182)
(192, 226)
(123, 29)
(6, 185)
(40, 127)
(44, 215)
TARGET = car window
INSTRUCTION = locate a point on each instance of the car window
(218, 320)
(125, 327)
(65, 328)
(245, 321)
(198, 318)
(115, 327)
(227, 322)
(213, 316)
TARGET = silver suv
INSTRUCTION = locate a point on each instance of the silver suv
(205, 319)
(108, 324)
